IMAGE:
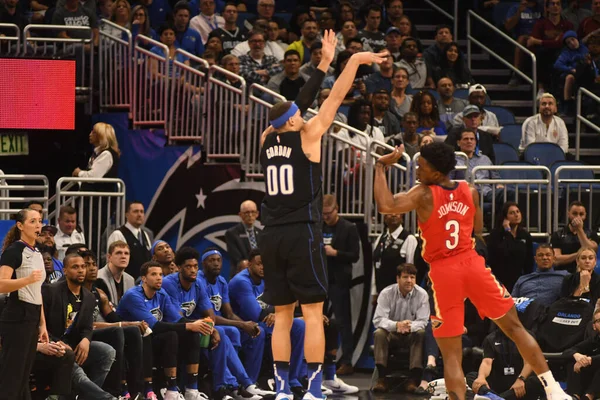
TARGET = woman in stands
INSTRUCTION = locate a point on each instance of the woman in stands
(407, 29)
(584, 282)
(140, 25)
(510, 246)
(454, 66)
(426, 108)
(400, 102)
(121, 16)
(22, 322)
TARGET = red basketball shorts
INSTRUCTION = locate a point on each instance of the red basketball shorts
(459, 277)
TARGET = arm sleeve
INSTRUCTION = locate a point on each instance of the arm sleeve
(527, 134)
(12, 257)
(171, 313)
(565, 287)
(380, 319)
(410, 246)
(100, 166)
(488, 347)
(563, 136)
(101, 284)
(160, 327)
(561, 62)
(112, 317)
(422, 315)
(353, 244)
(309, 91)
(249, 310)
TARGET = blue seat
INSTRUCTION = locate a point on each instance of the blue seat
(576, 174)
(505, 152)
(521, 174)
(511, 134)
(464, 94)
(504, 115)
(544, 154)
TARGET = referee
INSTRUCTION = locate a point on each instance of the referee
(22, 321)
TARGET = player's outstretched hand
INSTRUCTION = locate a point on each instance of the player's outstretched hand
(365, 57)
(329, 43)
(392, 157)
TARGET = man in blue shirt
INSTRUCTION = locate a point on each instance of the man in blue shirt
(245, 334)
(544, 284)
(173, 335)
(187, 291)
(187, 39)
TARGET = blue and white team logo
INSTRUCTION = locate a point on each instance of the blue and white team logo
(157, 313)
(262, 304)
(188, 307)
(217, 301)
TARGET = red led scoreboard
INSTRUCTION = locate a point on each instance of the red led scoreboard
(37, 94)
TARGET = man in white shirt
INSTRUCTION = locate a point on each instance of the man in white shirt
(545, 126)
(136, 236)
(207, 21)
(400, 319)
(270, 48)
(68, 232)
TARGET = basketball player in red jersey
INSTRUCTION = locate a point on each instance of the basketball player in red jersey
(448, 213)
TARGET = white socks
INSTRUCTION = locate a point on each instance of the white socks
(548, 381)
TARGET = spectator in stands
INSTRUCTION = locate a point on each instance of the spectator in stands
(393, 42)
(467, 143)
(425, 140)
(39, 8)
(360, 117)
(584, 377)
(90, 6)
(244, 236)
(545, 126)
(112, 278)
(272, 32)
(271, 48)
(347, 12)
(288, 82)
(587, 73)
(121, 16)
(256, 66)
(232, 64)
(316, 53)
(242, 333)
(354, 45)
(520, 20)
(510, 247)
(339, 116)
(140, 25)
(382, 79)
(544, 284)
(435, 53)
(69, 310)
(370, 34)
(407, 29)
(300, 14)
(409, 136)
(207, 21)
(73, 13)
(383, 119)
(395, 246)
(327, 20)
(358, 90)
(310, 34)
(393, 12)
(400, 102)
(10, 14)
(448, 105)
(169, 39)
(187, 38)
(105, 9)
(471, 119)
(546, 40)
(453, 65)
(477, 97)
(124, 337)
(584, 282)
(575, 13)
(502, 372)
(175, 339)
(51, 275)
(68, 232)
(569, 239)
(135, 235)
(342, 247)
(214, 45)
(347, 32)
(426, 108)
(46, 238)
(231, 35)
(163, 254)
(400, 318)
(419, 74)
(591, 23)
(157, 11)
(572, 54)
(266, 10)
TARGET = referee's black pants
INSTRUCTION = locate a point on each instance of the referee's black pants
(19, 331)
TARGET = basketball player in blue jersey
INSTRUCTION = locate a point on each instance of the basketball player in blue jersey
(189, 293)
(292, 243)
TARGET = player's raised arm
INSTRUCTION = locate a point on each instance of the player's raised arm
(317, 126)
(387, 203)
(478, 222)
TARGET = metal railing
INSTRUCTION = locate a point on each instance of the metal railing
(96, 211)
(151, 76)
(10, 45)
(538, 195)
(472, 39)
(186, 104)
(41, 41)
(453, 18)
(571, 189)
(580, 118)
(258, 121)
(115, 66)
(21, 189)
(225, 126)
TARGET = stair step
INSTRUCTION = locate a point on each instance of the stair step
(512, 103)
(425, 28)
(480, 57)
(497, 87)
(490, 72)
(586, 152)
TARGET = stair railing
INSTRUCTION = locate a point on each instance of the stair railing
(580, 118)
(470, 39)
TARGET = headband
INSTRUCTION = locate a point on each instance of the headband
(154, 246)
(211, 253)
(279, 122)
